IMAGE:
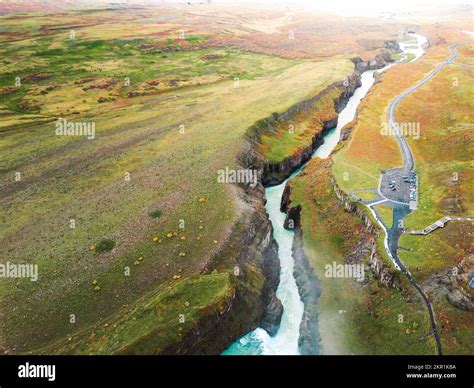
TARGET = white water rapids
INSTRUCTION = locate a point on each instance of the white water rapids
(285, 342)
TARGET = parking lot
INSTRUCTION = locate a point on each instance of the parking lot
(397, 188)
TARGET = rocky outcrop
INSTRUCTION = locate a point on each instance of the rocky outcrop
(393, 46)
(387, 56)
(204, 338)
(345, 133)
(355, 208)
(310, 289)
(252, 248)
(460, 299)
(308, 284)
(376, 63)
(275, 173)
(380, 60)
(293, 218)
(285, 199)
(306, 280)
(260, 252)
(379, 268)
(453, 280)
(251, 254)
(293, 214)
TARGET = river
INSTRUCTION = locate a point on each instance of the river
(285, 342)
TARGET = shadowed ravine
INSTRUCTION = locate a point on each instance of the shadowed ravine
(286, 339)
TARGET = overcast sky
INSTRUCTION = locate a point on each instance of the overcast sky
(378, 5)
(404, 8)
(340, 6)
(320, 3)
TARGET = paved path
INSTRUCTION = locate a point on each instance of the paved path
(408, 161)
(403, 190)
(438, 224)
(399, 200)
(377, 198)
(462, 64)
(408, 165)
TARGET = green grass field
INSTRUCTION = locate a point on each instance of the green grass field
(158, 146)
(353, 319)
(154, 322)
(130, 229)
(443, 158)
(358, 165)
(444, 165)
(443, 153)
(292, 136)
(386, 214)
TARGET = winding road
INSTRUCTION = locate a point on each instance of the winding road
(408, 160)
(398, 200)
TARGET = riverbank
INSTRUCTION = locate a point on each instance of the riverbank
(298, 288)
(354, 317)
(344, 249)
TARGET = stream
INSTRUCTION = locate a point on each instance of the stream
(285, 342)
